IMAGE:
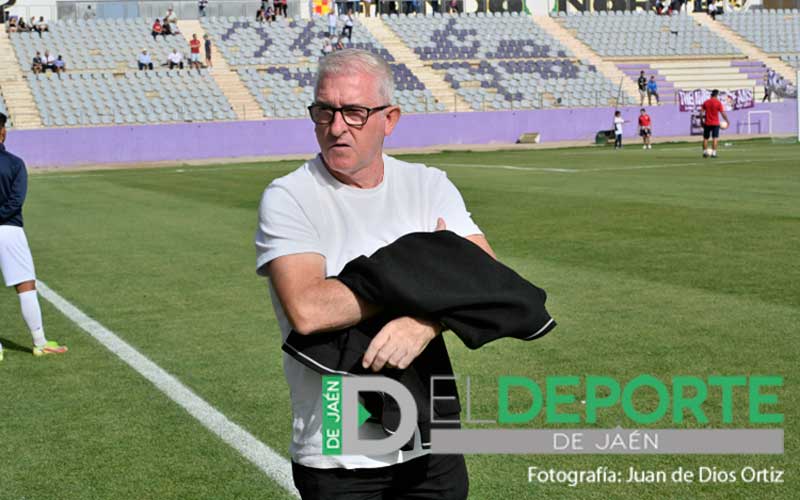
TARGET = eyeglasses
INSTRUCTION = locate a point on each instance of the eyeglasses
(355, 116)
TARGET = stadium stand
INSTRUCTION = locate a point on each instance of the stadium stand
(277, 61)
(474, 36)
(102, 44)
(244, 42)
(640, 34)
(503, 61)
(750, 48)
(4, 109)
(773, 31)
(14, 87)
(136, 98)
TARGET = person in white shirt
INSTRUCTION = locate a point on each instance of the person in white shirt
(349, 201)
(618, 122)
(49, 61)
(174, 59)
(145, 61)
(171, 17)
(332, 23)
(348, 26)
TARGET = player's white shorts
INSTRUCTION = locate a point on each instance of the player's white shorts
(195, 57)
(16, 262)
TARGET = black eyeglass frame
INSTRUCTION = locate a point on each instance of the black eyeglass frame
(341, 110)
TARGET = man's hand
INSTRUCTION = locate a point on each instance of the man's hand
(399, 343)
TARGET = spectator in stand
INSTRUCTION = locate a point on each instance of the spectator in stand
(712, 9)
(175, 59)
(652, 90)
(435, 6)
(260, 15)
(157, 29)
(201, 8)
(89, 14)
(165, 28)
(48, 61)
(348, 26)
(644, 128)
(12, 24)
(767, 90)
(21, 26)
(207, 46)
(37, 66)
(171, 17)
(618, 122)
(41, 26)
(659, 7)
(282, 7)
(327, 47)
(339, 45)
(269, 14)
(642, 83)
(331, 23)
(145, 61)
(59, 65)
(452, 7)
(194, 52)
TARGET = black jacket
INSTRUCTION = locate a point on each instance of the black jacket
(13, 188)
(440, 276)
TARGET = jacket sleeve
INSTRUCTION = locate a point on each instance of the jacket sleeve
(19, 189)
(442, 276)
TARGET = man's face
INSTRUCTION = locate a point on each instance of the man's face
(347, 149)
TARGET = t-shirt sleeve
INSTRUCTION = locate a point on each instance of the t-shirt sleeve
(449, 205)
(283, 228)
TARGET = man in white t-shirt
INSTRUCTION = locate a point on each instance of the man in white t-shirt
(349, 201)
(175, 59)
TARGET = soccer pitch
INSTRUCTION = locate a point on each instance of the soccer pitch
(656, 262)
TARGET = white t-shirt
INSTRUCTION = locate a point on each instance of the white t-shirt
(175, 57)
(310, 211)
(332, 20)
(618, 121)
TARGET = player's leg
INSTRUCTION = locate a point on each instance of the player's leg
(706, 135)
(18, 271)
(714, 141)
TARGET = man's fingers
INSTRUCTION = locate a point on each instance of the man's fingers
(440, 224)
(374, 347)
(383, 356)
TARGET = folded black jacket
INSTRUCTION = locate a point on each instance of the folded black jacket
(440, 276)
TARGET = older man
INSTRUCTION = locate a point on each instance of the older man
(16, 263)
(349, 201)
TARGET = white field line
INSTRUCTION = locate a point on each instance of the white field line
(707, 162)
(261, 455)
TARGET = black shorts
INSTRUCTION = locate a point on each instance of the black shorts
(645, 132)
(432, 477)
(711, 131)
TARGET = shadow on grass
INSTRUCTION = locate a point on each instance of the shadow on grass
(10, 345)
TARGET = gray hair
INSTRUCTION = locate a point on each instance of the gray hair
(350, 60)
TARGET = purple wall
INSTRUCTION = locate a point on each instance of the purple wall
(190, 141)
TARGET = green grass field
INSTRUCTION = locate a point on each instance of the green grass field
(655, 262)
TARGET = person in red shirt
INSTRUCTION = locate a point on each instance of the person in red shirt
(644, 128)
(157, 29)
(194, 48)
(710, 110)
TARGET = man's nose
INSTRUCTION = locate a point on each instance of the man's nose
(338, 125)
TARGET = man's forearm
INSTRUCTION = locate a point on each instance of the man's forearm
(328, 305)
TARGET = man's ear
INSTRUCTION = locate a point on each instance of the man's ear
(392, 117)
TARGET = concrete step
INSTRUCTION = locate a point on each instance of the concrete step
(749, 49)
